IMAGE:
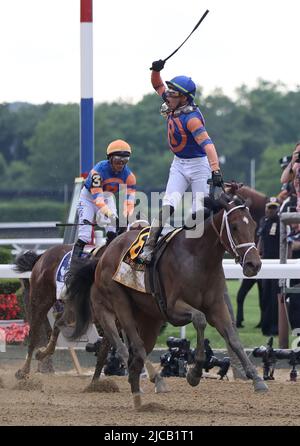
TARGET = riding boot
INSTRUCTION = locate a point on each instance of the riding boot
(155, 231)
(110, 235)
(77, 251)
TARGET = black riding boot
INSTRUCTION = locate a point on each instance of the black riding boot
(110, 235)
(155, 231)
(77, 251)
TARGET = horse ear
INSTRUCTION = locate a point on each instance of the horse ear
(238, 200)
(212, 205)
(224, 200)
(248, 202)
(232, 187)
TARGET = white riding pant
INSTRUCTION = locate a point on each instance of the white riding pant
(192, 172)
(87, 211)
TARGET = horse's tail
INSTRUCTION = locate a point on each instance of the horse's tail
(26, 261)
(79, 282)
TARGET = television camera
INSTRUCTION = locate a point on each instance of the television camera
(114, 365)
(179, 355)
(270, 356)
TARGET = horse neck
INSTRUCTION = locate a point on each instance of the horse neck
(209, 245)
(214, 228)
(257, 201)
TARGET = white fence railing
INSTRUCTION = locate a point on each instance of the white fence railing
(271, 269)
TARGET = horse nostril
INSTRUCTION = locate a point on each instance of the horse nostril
(251, 268)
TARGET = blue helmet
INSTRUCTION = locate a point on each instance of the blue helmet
(184, 85)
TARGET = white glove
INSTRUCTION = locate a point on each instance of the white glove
(101, 218)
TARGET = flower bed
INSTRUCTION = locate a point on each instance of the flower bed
(15, 333)
(9, 310)
(9, 307)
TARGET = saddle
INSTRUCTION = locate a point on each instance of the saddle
(134, 274)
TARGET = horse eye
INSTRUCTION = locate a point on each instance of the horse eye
(234, 227)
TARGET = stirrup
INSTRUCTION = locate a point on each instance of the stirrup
(145, 256)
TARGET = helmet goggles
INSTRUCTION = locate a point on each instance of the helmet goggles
(120, 159)
(172, 93)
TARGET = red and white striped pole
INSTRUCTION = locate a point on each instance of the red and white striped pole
(87, 101)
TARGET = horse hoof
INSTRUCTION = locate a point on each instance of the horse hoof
(260, 386)
(20, 374)
(137, 401)
(40, 354)
(192, 379)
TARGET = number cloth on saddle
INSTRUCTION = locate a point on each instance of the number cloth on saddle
(130, 271)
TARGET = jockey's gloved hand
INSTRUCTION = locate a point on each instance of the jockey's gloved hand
(157, 65)
(217, 178)
(108, 213)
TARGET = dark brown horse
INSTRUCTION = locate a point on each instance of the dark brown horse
(193, 279)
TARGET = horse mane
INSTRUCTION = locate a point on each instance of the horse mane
(255, 199)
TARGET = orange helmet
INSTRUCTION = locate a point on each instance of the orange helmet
(118, 147)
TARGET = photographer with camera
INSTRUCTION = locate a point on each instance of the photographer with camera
(292, 173)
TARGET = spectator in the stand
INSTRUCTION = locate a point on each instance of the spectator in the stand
(292, 173)
(268, 246)
(294, 298)
(288, 202)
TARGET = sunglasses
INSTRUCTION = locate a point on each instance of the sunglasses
(121, 159)
(172, 94)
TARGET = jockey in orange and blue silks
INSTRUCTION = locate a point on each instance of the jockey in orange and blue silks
(97, 197)
(187, 135)
(195, 156)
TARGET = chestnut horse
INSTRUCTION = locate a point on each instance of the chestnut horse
(41, 291)
(41, 296)
(255, 200)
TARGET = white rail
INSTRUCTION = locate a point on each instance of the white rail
(271, 269)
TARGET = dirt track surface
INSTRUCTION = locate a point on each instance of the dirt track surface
(59, 400)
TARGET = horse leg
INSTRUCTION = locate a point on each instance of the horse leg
(107, 320)
(137, 353)
(182, 314)
(155, 377)
(101, 358)
(237, 370)
(195, 373)
(38, 315)
(47, 351)
(219, 317)
(46, 364)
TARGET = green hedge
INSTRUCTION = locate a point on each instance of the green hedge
(9, 286)
(33, 210)
(5, 256)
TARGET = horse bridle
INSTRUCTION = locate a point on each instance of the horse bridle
(234, 247)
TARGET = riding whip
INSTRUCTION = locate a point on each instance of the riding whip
(85, 222)
(194, 29)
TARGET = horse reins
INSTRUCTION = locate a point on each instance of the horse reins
(234, 247)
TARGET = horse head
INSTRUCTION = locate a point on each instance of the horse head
(237, 233)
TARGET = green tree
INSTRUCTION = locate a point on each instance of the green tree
(269, 172)
(54, 148)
